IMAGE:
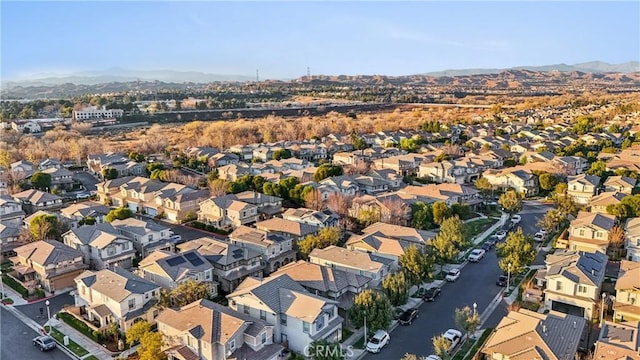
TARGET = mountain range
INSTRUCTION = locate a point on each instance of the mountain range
(170, 76)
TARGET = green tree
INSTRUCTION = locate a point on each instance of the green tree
(373, 305)
(443, 156)
(621, 211)
(41, 181)
(151, 346)
(463, 211)
(409, 145)
(325, 350)
(566, 205)
(357, 141)
(441, 347)
(511, 201)
(551, 220)
(154, 166)
(188, 292)
(119, 213)
(598, 168)
(440, 211)
(213, 175)
(109, 173)
(136, 156)
(421, 216)
(114, 330)
(136, 331)
(583, 125)
(416, 265)
(369, 216)
(443, 250)
(561, 190)
(517, 250)
(326, 237)
(484, 186)
(396, 287)
(281, 154)
(44, 227)
(454, 231)
(547, 181)
(327, 170)
(467, 320)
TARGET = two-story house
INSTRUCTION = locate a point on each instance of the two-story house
(227, 212)
(268, 206)
(588, 232)
(10, 211)
(330, 283)
(520, 178)
(599, 203)
(102, 246)
(231, 263)
(147, 236)
(618, 341)
(36, 200)
(574, 281)
(353, 261)
(524, 334)
(169, 270)
(448, 193)
(177, 204)
(626, 306)
(81, 213)
(622, 184)
(49, 264)
(289, 228)
(319, 218)
(581, 188)
(61, 178)
(106, 190)
(209, 331)
(276, 249)
(115, 295)
(632, 239)
(389, 241)
(298, 317)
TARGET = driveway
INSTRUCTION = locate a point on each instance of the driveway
(56, 304)
(15, 342)
(87, 180)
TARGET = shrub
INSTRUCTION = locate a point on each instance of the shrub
(15, 286)
(80, 326)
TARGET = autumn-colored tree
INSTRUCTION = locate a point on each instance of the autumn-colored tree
(417, 266)
(375, 307)
(441, 347)
(136, 331)
(44, 227)
(340, 203)
(467, 319)
(517, 250)
(151, 346)
(396, 211)
(188, 292)
(326, 237)
(511, 201)
(616, 242)
(440, 211)
(396, 287)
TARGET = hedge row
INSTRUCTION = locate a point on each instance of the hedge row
(210, 228)
(80, 326)
(15, 286)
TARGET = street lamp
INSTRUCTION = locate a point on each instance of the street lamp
(47, 303)
(475, 307)
(2, 296)
(509, 277)
(604, 296)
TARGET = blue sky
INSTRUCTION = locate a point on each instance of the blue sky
(283, 38)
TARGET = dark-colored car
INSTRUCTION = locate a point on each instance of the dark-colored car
(408, 316)
(44, 343)
(486, 246)
(431, 294)
(502, 280)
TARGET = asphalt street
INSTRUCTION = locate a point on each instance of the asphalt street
(56, 304)
(87, 180)
(15, 342)
(476, 284)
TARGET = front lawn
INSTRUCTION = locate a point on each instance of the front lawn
(477, 227)
(346, 333)
(73, 346)
(359, 344)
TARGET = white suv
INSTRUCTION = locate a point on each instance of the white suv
(453, 275)
(476, 255)
(378, 341)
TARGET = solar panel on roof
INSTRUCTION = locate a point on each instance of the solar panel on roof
(193, 259)
(176, 261)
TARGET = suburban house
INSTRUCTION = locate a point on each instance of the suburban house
(581, 188)
(35, 200)
(298, 317)
(448, 193)
(588, 232)
(268, 206)
(227, 212)
(618, 341)
(319, 218)
(231, 263)
(10, 211)
(107, 296)
(353, 261)
(147, 236)
(49, 264)
(121, 163)
(9, 240)
(106, 190)
(77, 214)
(102, 246)
(389, 241)
(573, 281)
(169, 270)
(389, 207)
(210, 331)
(626, 306)
(571, 165)
(61, 178)
(632, 239)
(599, 203)
(276, 249)
(519, 178)
(403, 165)
(177, 204)
(621, 184)
(328, 282)
(525, 334)
(287, 227)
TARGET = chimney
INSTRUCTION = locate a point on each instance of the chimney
(544, 329)
(575, 324)
(593, 272)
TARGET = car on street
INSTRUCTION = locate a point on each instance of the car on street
(433, 357)
(408, 316)
(431, 294)
(44, 342)
(454, 336)
(379, 340)
(176, 239)
(501, 235)
(452, 275)
(502, 280)
(476, 255)
(516, 218)
(492, 240)
(486, 246)
(538, 237)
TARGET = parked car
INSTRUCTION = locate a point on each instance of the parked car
(397, 312)
(486, 246)
(501, 235)
(44, 342)
(433, 357)
(476, 255)
(379, 340)
(516, 218)
(452, 275)
(431, 294)
(176, 239)
(502, 280)
(492, 240)
(538, 237)
(454, 337)
(408, 316)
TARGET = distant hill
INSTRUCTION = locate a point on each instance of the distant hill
(588, 67)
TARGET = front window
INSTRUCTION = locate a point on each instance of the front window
(582, 289)
(305, 327)
(283, 319)
(320, 323)
(132, 303)
(263, 315)
(264, 337)
(232, 344)
(558, 285)
(247, 309)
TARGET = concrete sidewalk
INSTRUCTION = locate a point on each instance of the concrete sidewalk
(79, 338)
(13, 295)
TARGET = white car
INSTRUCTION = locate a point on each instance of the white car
(379, 340)
(538, 236)
(433, 357)
(516, 218)
(452, 275)
(454, 336)
(501, 235)
(476, 255)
